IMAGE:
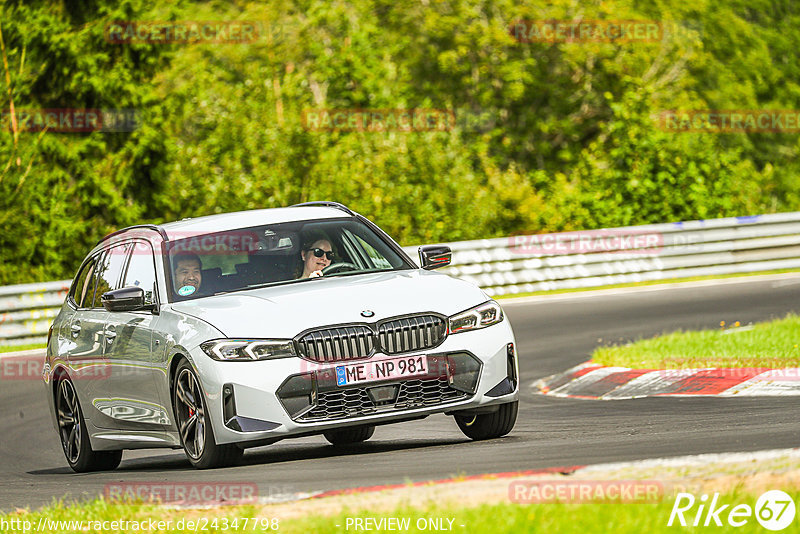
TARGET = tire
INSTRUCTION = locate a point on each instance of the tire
(74, 435)
(349, 436)
(194, 428)
(490, 425)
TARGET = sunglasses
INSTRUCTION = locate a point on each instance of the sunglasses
(318, 252)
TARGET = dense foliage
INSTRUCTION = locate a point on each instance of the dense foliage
(547, 136)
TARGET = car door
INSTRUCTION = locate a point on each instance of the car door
(70, 325)
(88, 366)
(132, 350)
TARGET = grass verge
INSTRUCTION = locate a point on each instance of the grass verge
(482, 504)
(772, 344)
(98, 515)
(15, 348)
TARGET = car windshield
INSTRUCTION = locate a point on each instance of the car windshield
(204, 264)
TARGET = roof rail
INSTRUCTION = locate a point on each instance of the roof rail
(153, 227)
(327, 203)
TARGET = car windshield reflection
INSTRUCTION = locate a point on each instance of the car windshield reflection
(212, 263)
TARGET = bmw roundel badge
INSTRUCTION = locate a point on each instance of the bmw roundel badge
(367, 313)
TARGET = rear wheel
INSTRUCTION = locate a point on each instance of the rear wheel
(350, 436)
(197, 436)
(489, 425)
(74, 435)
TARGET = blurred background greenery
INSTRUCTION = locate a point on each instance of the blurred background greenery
(558, 136)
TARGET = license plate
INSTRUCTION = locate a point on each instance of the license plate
(381, 370)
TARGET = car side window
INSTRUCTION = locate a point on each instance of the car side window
(141, 270)
(109, 272)
(83, 282)
(368, 253)
(377, 258)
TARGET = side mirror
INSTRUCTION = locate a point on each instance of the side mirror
(124, 299)
(434, 256)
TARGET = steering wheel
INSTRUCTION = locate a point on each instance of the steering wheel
(336, 267)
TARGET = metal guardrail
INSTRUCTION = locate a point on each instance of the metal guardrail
(27, 310)
(522, 264)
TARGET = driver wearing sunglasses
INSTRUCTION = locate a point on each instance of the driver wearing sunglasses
(316, 257)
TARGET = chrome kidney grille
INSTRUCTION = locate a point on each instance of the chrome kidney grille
(357, 342)
(337, 344)
(411, 333)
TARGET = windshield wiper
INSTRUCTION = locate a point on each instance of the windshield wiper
(346, 273)
(278, 283)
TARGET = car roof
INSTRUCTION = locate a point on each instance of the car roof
(227, 221)
(244, 219)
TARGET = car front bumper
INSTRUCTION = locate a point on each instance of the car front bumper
(257, 402)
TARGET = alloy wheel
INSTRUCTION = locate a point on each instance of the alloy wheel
(69, 424)
(190, 415)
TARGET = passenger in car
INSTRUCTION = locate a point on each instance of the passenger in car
(316, 256)
(187, 270)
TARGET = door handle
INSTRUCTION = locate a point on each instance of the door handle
(110, 334)
(75, 329)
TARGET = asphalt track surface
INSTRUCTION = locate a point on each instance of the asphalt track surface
(553, 334)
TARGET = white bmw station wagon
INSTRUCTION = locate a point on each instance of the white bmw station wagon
(231, 331)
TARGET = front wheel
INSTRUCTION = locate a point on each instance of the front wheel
(197, 436)
(350, 436)
(490, 425)
(74, 435)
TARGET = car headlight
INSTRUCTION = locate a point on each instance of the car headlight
(248, 349)
(486, 314)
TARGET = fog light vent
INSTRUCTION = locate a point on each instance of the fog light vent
(298, 394)
(511, 367)
(465, 370)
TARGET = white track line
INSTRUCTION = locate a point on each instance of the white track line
(699, 459)
(20, 353)
(589, 293)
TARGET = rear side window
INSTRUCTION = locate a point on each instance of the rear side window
(84, 284)
(109, 272)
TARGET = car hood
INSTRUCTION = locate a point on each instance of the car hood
(285, 311)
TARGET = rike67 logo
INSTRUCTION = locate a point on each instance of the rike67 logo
(774, 510)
